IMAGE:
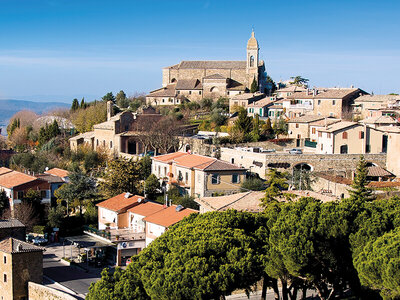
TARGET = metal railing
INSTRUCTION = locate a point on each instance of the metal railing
(101, 233)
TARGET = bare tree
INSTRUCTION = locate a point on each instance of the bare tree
(24, 212)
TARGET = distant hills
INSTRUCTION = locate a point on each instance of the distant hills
(9, 107)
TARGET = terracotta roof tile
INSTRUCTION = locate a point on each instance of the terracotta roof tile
(4, 170)
(169, 216)
(146, 209)
(248, 201)
(58, 172)
(188, 84)
(169, 157)
(14, 178)
(306, 119)
(120, 202)
(326, 93)
(377, 171)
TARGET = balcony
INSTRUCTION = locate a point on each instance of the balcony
(117, 235)
(301, 106)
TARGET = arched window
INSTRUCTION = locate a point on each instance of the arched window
(252, 61)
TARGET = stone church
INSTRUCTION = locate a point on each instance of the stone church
(194, 80)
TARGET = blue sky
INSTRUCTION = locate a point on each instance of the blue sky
(60, 49)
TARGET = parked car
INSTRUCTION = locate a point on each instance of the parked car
(40, 241)
(29, 238)
(295, 151)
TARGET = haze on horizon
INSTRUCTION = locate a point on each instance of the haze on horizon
(56, 50)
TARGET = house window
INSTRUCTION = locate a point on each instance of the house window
(319, 134)
(319, 102)
(5, 259)
(104, 143)
(20, 195)
(110, 144)
(165, 171)
(43, 194)
(232, 160)
(190, 92)
(297, 125)
(187, 177)
(163, 100)
(344, 135)
(329, 135)
(5, 277)
(228, 92)
(299, 136)
(313, 130)
(361, 135)
(178, 92)
(235, 178)
(333, 102)
(159, 170)
(322, 147)
(97, 142)
(215, 179)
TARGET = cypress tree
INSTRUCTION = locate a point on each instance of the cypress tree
(75, 104)
(359, 190)
(254, 86)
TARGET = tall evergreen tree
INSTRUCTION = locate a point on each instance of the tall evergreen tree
(359, 189)
(254, 86)
(255, 133)
(83, 104)
(75, 105)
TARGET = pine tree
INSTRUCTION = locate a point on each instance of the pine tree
(75, 105)
(83, 104)
(359, 190)
(254, 86)
(255, 133)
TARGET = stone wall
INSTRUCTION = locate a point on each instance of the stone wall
(260, 162)
(40, 292)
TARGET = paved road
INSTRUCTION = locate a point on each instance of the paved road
(270, 296)
(74, 279)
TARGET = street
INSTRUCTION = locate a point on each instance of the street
(76, 280)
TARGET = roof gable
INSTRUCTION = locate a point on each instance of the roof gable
(169, 216)
(120, 202)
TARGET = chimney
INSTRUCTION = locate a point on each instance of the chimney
(109, 110)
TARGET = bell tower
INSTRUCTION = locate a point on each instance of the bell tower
(252, 59)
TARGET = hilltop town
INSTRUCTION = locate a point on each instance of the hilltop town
(223, 181)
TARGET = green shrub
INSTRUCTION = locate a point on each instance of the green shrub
(38, 229)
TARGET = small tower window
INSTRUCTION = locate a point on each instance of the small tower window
(252, 61)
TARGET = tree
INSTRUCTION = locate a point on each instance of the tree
(55, 216)
(276, 182)
(254, 86)
(75, 105)
(83, 104)
(243, 123)
(152, 186)
(24, 212)
(282, 127)
(255, 133)
(4, 202)
(272, 83)
(253, 184)
(108, 97)
(209, 256)
(359, 191)
(84, 119)
(378, 265)
(302, 179)
(79, 188)
(267, 130)
(121, 175)
(206, 103)
(299, 81)
(217, 117)
(121, 99)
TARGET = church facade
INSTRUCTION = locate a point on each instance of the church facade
(194, 80)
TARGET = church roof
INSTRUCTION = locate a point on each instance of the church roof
(188, 84)
(212, 64)
(252, 43)
(168, 91)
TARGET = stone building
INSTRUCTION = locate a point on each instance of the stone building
(198, 175)
(20, 263)
(326, 102)
(194, 80)
(12, 228)
(119, 134)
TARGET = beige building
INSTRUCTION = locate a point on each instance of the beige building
(119, 134)
(299, 128)
(194, 80)
(20, 263)
(342, 137)
(198, 175)
(326, 102)
(365, 106)
(244, 100)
